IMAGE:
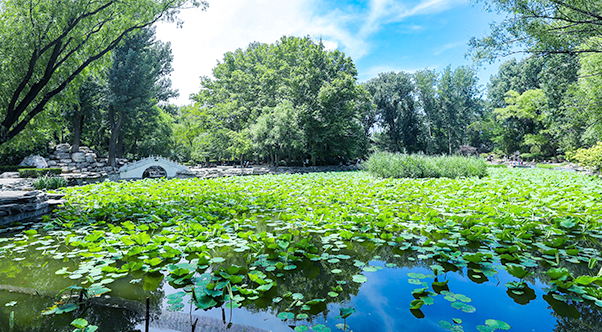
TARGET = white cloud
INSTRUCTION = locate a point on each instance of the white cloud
(231, 24)
(447, 47)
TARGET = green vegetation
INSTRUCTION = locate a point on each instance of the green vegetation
(38, 172)
(300, 242)
(293, 99)
(591, 157)
(13, 168)
(49, 182)
(389, 165)
(49, 47)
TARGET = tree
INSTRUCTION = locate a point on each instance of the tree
(541, 27)
(277, 133)
(393, 96)
(459, 105)
(49, 44)
(320, 85)
(426, 93)
(137, 81)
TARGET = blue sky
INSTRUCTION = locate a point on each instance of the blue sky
(379, 35)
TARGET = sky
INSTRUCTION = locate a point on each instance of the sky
(379, 35)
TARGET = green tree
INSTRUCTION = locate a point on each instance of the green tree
(459, 105)
(541, 27)
(48, 44)
(137, 81)
(393, 96)
(277, 133)
(426, 93)
(320, 84)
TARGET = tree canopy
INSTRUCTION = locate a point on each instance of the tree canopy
(541, 27)
(48, 44)
(293, 87)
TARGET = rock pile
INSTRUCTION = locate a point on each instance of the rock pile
(81, 161)
(19, 206)
(226, 171)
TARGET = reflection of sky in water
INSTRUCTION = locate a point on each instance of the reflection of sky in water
(382, 305)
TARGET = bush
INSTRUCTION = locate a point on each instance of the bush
(38, 172)
(13, 168)
(531, 156)
(591, 157)
(389, 165)
(49, 182)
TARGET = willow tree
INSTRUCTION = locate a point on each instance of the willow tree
(48, 44)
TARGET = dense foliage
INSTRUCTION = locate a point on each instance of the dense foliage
(297, 243)
(47, 46)
(289, 100)
(390, 165)
(426, 111)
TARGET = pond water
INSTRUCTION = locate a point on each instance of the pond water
(29, 284)
(226, 264)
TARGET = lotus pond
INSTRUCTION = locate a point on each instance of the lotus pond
(517, 250)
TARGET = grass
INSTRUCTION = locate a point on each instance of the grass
(49, 182)
(550, 166)
(389, 165)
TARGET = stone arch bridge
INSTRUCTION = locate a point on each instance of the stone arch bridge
(136, 169)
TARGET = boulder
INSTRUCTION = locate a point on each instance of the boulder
(90, 157)
(63, 148)
(78, 157)
(62, 155)
(37, 161)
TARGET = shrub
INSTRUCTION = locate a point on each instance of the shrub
(13, 168)
(389, 165)
(49, 182)
(38, 172)
(591, 157)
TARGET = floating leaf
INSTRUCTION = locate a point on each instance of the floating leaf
(359, 278)
(497, 324)
(320, 328)
(79, 323)
(286, 315)
(445, 324)
(464, 307)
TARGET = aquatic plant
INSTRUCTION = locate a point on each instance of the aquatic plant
(396, 165)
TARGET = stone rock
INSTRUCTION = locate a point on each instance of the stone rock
(78, 157)
(51, 163)
(62, 155)
(90, 157)
(9, 175)
(62, 148)
(37, 161)
(65, 161)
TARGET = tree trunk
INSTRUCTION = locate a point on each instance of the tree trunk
(119, 152)
(77, 130)
(115, 131)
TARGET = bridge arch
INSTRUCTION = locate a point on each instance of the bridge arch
(137, 169)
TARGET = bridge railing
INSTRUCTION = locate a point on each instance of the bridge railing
(151, 159)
